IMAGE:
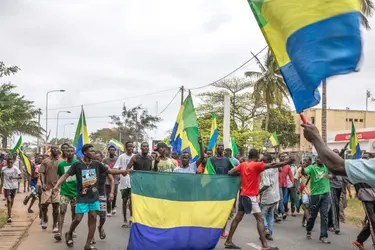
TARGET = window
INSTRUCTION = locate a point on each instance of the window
(350, 119)
(360, 120)
(346, 119)
(355, 120)
(313, 120)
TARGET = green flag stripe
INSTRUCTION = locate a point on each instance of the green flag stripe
(184, 187)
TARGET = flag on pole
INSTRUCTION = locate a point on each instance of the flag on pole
(17, 146)
(184, 137)
(214, 134)
(118, 145)
(233, 146)
(311, 41)
(354, 144)
(273, 140)
(26, 162)
(82, 136)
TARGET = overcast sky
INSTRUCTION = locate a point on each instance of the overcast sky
(112, 51)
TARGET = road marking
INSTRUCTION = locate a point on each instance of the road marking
(255, 246)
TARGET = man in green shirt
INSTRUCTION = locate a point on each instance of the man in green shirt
(68, 190)
(320, 188)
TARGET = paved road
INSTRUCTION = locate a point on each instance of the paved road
(289, 236)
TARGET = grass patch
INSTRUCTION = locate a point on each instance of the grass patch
(354, 212)
(3, 217)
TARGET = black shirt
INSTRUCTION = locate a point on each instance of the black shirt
(87, 180)
(221, 165)
(142, 163)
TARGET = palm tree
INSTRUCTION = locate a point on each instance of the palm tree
(269, 85)
(367, 10)
(17, 115)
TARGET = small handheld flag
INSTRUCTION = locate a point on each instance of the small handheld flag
(118, 145)
(82, 136)
(354, 144)
(274, 141)
(214, 133)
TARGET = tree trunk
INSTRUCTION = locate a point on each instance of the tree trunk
(4, 142)
(324, 111)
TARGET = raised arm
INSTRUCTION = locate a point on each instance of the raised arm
(277, 165)
(201, 158)
(60, 181)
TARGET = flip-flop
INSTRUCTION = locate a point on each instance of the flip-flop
(57, 237)
(125, 225)
(232, 246)
(69, 240)
(102, 234)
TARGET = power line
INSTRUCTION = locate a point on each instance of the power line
(169, 104)
(114, 100)
(238, 68)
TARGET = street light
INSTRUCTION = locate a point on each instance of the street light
(68, 124)
(57, 90)
(57, 121)
(368, 95)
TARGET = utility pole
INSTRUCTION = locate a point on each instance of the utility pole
(368, 95)
(37, 139)
(182, 95)
(136, 130)
(226, 132)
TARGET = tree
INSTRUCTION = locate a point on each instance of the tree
(269, 85)
(367, 10)
(134, 123)
(281, 121)
(244, 109)
(17, 114)
(104, 135)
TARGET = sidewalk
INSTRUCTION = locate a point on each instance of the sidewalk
(12, 234)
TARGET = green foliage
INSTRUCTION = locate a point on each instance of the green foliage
(134, 123)
(281, 121)
(17, 114)
(60, 141)
(104, 135)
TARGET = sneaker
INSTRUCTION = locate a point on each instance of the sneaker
(304, 224)
(113, 211)
(9, 220)
(269, 237)
(109, 215)
(337, 231)
(331, 229)
(26, 200)
(224, 235)
(74, 235)
(285, 216)
(308, 235)
(44, 225)
(324, 240)
(55, 230)
(358, 245)
(293, 215)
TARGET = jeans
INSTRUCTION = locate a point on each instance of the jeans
(111, 204)
(283, 191)
(368, 229)
(334, 211)
(292, 194)
(319, 203)
(267, 212)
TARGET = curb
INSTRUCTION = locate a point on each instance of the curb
(11, 235)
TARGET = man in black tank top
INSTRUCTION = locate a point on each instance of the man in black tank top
(141, 161)
(221, 163)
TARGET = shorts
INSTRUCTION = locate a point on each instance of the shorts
(10, 193)
(35, 191)
(66, 200)
(249, 205)
(82, 208)
(125, 193)
(305, 199)
(103, 206)
(49, 198)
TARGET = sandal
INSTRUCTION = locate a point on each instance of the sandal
(231, 246)
(91, 248)
(69, 240)
(93, 241)
(57, 237)
(102, 234)
(125, 225)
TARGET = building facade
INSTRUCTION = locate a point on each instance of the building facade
(339, 121)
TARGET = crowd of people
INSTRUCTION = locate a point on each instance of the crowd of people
(272, 187)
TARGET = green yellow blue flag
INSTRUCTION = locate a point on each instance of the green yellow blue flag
(118, 145)
(214, 134)
(82, 136)
(233, 146)
(273, 140)
(184, 137)
(311, 41)
(17, 146)
(168, 217)
(354, 144)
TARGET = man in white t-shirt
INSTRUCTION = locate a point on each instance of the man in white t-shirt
(186, 166)
(125, 188)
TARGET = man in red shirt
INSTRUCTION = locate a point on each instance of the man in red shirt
(284, 173)
(250, 172)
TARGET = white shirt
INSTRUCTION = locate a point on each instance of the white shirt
(191, 169)
(122, 163)
(10, 183)
(361, 171)
(270, 178)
